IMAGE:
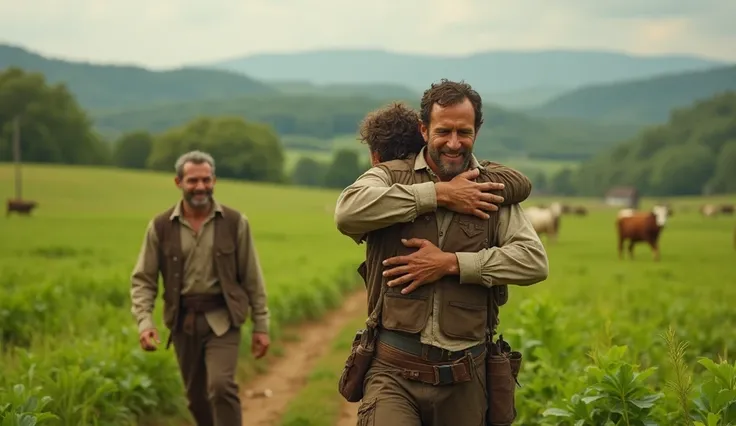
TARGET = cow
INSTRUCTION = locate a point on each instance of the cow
(638, 226)
(546, 220)
(708, 210)
(20, 207)
(580, 211)
(727, 209)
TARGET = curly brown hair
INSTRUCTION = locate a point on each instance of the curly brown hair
(392, 132)
(447, 93)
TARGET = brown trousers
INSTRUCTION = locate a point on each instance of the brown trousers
(208, 363)
(391, 400)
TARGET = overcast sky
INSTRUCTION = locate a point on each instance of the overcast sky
(165, 33)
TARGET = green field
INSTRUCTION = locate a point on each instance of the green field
(64, 282)
(67, 333)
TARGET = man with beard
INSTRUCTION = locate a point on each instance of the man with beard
(211, 277)
(438, 258)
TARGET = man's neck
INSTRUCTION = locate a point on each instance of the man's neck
(194, 213)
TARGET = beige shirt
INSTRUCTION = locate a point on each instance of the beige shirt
(372, 202)
(199, 275)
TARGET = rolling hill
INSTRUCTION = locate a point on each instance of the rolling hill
(117, 86)
(490, 72)
(645, 101)
(322, 118)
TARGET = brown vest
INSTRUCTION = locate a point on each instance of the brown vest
(466, 308)
(224, 258)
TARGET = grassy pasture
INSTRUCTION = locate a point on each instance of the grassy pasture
(64, 282)
(64, 304)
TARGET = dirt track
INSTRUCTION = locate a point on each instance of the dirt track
(349, 415)
(287, 375)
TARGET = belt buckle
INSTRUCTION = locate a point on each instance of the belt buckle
(443, 375)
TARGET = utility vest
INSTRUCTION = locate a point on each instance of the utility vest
(466, 308)
(224, 258)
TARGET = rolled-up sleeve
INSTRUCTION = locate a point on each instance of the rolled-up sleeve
(519, 259)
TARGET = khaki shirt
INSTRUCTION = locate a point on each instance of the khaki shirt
(199, 276)
(371, 202)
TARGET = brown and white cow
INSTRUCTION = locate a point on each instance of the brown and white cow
(637, 226)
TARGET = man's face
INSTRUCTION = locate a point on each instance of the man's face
(450, 138)
(197, 185)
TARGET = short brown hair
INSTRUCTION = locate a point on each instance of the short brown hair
(392, 132)
(447, 93)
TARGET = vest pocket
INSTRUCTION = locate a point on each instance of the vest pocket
(405, 312)
(464, 320)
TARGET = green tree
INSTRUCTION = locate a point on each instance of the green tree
(344, 168)
(309, 172)
(724, 178)
(681, 170)
(53, 128)
(241, 149)
(131, 150)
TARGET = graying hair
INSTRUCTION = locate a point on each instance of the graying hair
(196, 157)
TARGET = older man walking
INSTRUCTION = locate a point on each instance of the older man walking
(212, 278)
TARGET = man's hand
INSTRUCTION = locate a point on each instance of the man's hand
(426, 265)
(462, 195)
(149, 339)
(259, 344)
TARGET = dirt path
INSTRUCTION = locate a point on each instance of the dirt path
(288, 374)
(349, 415)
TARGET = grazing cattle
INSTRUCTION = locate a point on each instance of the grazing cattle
(580, 211)
(20, 207)
(545, 220)
(727, 209)
(708, 210)
(640, 227)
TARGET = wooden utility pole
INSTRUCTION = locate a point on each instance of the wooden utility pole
(16, 157)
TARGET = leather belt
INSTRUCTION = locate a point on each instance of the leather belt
(415, 368)
(199, 303)
(412, 345)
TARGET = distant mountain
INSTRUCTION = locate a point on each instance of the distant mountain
(645, 101)
(116, 86)
(375, 90)
(489, 72)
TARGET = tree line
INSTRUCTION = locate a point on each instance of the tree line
(55, 129)
(321, 118)
(692, 153)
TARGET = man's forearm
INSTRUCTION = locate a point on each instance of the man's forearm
(517, 187)
(519, 259)
(371, 203)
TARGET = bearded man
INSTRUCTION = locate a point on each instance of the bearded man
(205, 253)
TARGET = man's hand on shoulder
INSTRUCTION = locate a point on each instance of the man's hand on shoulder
(426, 265)
(462, 195)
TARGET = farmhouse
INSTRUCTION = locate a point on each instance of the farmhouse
(623, 196)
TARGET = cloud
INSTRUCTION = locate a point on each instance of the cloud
(172, 32)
